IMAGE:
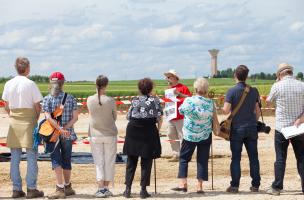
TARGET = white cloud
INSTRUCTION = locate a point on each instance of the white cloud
(297, 26)
(44, 66)
(134, 38)
(37, 39)
(200, 25)
(169, 34)
(95, 31)
(11, 38)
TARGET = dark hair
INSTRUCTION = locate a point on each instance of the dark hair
(241, 72)
(101, 82)
(21, 65)
(145, 86)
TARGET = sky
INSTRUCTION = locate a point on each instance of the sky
(133, 39)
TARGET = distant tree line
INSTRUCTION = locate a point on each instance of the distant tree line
(36, 78)
(228, 73)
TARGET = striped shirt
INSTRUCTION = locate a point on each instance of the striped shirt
(288, 95)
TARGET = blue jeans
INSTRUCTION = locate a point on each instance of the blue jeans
(186, 152)
(61, 156)
(32, 168)
(247, 136)
(281, 147)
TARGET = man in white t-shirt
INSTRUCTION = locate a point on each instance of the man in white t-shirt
(22, 103)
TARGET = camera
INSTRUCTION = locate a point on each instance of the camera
(261, 127)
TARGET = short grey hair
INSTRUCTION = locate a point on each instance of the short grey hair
(22, 64)
(201, 86)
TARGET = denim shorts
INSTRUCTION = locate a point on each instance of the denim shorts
(61, 155)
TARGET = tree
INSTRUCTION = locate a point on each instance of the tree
(262, 75)
(300, 75)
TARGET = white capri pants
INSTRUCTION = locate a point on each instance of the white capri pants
(104, 154)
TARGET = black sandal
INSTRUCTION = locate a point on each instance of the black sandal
(178, 189)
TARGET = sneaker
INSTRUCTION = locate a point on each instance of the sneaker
(100, 193)
(144, 194)
(58, 194)
(174, 158)
(18, 194)
(231, 189)
(68, 190)
(273, 191)
(108, 193)
(34, 193)
(254, 189)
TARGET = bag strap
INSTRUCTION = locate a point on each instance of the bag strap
(62, 103)
(238, 106)
(64, 99)
(260, 106)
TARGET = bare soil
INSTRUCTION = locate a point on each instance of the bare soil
(83, 176)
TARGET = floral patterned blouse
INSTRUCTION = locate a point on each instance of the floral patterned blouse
(198, 112)
(144, 106)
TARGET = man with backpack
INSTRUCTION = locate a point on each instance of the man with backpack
(22, 103)
(60, 144)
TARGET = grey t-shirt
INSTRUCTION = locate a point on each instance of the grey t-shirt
(246, 116)
(102, 118)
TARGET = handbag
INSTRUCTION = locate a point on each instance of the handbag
(225, 126)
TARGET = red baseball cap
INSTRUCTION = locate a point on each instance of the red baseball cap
(57, 76)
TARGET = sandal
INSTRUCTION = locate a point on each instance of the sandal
(178, 189)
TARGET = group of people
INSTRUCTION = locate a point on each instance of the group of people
(192, 129)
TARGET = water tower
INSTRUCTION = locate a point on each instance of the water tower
(213, 53)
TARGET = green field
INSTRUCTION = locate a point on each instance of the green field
(129, 88)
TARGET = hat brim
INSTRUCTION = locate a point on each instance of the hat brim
(168, 73)
(284, 68)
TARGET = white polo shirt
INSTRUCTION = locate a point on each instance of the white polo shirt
(21, 92)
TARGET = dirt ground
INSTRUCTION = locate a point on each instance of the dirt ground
(83, 176)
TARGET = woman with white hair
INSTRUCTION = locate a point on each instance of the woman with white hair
(199, 112)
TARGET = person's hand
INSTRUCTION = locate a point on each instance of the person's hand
(177, 93)
(65, 132)
(298, 122)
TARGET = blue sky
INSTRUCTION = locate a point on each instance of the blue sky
(132, 39)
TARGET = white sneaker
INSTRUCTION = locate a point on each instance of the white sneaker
(107, 192)
(272, 191)
(100, 193)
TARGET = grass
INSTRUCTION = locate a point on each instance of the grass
(129, 88)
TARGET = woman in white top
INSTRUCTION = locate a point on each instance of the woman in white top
(103, 135)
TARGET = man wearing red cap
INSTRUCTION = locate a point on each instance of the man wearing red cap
(61, 153)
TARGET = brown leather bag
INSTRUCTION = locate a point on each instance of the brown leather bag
(225, 126)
